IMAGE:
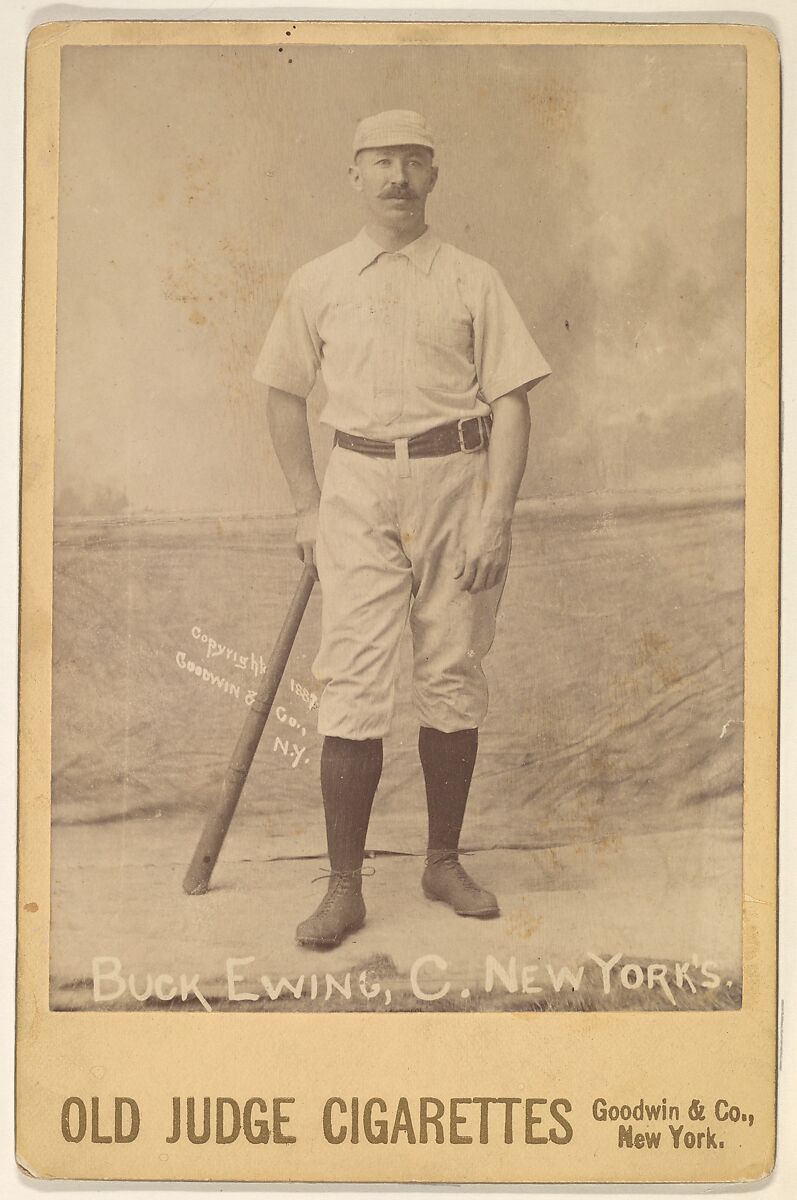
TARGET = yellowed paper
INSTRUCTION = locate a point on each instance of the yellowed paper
(616, 1022)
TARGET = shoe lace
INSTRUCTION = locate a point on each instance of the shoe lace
(326, 902)
(464, 878)
(340, 876)
(451, 862)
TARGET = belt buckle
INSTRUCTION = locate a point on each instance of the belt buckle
(480, 444)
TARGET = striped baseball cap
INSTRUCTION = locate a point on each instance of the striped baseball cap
(397, 127)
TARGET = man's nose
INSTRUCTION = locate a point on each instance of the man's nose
(398, 172)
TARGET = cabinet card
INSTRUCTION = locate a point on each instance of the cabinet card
(494, 309)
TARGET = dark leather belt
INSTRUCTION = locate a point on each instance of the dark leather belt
(466, 436)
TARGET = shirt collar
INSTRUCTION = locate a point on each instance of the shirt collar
(421, 252)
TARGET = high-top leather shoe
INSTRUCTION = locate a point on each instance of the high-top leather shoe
(340, 912)
(446, 879)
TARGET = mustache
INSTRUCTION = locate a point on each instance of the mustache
(397, 193)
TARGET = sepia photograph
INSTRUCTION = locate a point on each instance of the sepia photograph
(399, 528)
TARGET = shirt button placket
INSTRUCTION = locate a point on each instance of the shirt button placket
(390, 367)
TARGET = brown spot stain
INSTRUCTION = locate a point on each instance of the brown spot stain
(178, 289)
(598, 762)
(550, 105)
(523, 923)
(197, 317)
(656, 653)
(31, 906)
(556, 861)
(195, 171)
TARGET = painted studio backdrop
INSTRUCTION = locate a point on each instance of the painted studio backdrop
(607, 186)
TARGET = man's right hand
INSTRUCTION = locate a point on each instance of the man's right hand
(306, 534)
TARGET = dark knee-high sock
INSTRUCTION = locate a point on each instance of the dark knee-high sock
(350, 774)
(447, 760)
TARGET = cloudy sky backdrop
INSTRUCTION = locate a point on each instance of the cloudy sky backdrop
(606, 184)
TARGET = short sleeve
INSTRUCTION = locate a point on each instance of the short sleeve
(291, 353)
(505, 354)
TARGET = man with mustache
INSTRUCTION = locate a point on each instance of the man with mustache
(427, 364)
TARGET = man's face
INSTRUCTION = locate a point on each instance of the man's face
(394, 182)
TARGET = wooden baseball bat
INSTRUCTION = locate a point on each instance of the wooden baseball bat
(218, 820)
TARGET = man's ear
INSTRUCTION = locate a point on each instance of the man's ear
(434, 179)
(355, 177)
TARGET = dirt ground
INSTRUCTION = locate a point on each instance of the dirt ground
(606, 803)
(652, 898)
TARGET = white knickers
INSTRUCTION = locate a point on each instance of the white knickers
(389, 535)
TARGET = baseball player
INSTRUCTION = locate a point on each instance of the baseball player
(427, 364)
